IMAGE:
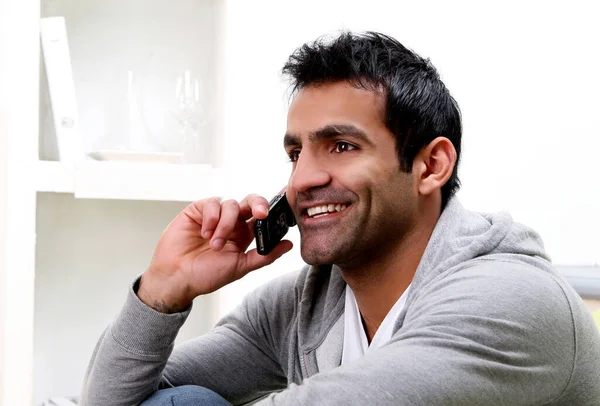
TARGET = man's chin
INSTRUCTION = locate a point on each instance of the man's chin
(318, 255)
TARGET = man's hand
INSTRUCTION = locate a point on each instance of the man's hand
(204, 249)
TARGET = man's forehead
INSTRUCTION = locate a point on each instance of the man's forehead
(338, 103)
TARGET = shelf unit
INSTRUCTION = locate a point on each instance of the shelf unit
(130, 180)
(77, 234)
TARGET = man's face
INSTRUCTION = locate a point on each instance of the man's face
(349, 196)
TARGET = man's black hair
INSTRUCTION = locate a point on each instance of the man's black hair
(419, 107)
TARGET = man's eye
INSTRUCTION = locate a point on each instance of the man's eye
(342, 146)
(294, 155)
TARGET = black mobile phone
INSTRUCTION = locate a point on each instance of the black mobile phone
(268, 232)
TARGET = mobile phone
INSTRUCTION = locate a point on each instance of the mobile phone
(268, 232)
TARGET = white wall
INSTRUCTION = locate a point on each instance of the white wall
(18, 97)
(3, 192)
(525, 74)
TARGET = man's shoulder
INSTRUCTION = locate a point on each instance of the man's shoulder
(505, 287)
(531, 304)
(521, 279)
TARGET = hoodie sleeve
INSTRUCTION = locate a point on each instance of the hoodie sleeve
(135, 355)
(497, 333)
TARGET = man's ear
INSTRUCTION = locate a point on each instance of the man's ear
(433, 165)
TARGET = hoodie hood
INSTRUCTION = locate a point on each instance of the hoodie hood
(462, 235)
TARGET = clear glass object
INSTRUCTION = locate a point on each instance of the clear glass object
(145, 76)
(191, 117)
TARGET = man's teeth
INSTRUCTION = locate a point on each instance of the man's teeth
(326, 208)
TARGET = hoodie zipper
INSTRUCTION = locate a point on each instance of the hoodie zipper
(303, 366)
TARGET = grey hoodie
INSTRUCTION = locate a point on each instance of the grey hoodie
(487, 322)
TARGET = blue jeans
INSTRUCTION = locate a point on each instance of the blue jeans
(188, 395)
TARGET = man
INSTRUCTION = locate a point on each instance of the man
(408, 297)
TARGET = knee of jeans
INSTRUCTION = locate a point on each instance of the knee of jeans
(187, 395)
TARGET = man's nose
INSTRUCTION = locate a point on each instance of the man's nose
(308, 174)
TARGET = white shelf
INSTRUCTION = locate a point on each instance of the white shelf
(130, 180)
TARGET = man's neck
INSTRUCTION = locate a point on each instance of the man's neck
(378, 285)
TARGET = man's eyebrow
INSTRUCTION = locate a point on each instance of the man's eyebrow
(291, 140)
(327, 132)
(336, 130)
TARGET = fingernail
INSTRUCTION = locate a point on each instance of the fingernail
(218, 243)
(207, 234)
(263, 208)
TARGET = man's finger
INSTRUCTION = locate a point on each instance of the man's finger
(254, 206)
(230, 210)
(211, 211)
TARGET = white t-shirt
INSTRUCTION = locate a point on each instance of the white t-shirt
(355, 338)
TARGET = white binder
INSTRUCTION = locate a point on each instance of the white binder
(56, 56)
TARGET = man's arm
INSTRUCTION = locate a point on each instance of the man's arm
(477, 337)
(201, 250)
(128, 360)
(135, 355)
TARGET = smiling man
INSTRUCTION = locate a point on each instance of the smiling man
(407, 297)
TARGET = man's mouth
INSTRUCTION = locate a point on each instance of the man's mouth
(324, 209)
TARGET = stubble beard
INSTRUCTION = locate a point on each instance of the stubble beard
(354, 246)
(331, 245)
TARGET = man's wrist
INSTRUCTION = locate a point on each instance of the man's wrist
(158, 295)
